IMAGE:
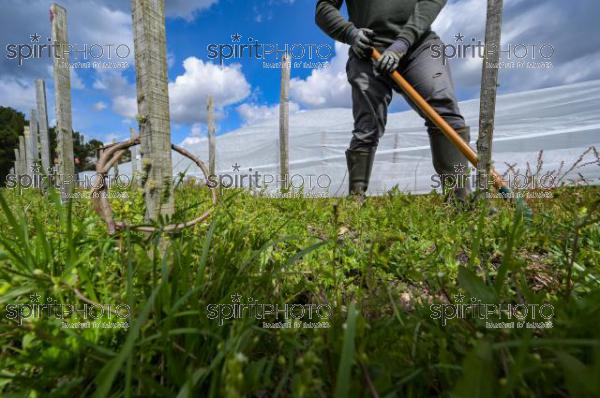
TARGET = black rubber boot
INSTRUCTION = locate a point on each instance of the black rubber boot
(360, 164)
(451, 165)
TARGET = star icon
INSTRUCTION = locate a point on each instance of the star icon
(35, 298)
(459, 297)
(236, 298)
(459, 168)
(35, 38)
(236, 37)
(236, 167)
(459, 37)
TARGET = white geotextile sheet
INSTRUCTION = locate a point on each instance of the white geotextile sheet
(562, 121)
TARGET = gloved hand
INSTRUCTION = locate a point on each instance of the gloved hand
(361, 42)
(391, 57)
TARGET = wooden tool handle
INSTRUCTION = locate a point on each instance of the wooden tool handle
(432, 115)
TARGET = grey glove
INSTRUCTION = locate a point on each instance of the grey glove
(391, 57)
(361, 43)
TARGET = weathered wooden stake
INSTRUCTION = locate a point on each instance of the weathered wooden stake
(489, 88)
(17, 167)
(28, 149)
(133, 152)
(62, 88)
(116, 165)
(34, 129)
(42, 117)
(153, 106)
(33, 145)
(22, 156)
(212, 139)
(284, 122)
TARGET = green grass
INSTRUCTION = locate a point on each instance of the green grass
(380, 267)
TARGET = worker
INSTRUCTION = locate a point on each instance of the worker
(401, 31)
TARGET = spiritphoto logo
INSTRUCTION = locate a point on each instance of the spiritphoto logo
(38, 178)
(256, 181)
(52, 177)
(302, 55)
(78, 56)
(522, 184)
(80, 315)
(495, 315)
(274, 316)
(512, 55)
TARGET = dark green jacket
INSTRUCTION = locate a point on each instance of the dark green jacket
(390, 19)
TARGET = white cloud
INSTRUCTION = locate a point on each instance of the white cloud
(114, 81)
(187, 9)
(18, 94)
(191, 141)
(125, 106)
(76, 82)
(195, 136)
(100, 106)
(252, 113)
(196, 130)
(189, 92)
(114, 137)
(524, 22)
(89, 22)
(527, 23)
(102, 26)
(325, 88)
(465, 16)
(122, 92)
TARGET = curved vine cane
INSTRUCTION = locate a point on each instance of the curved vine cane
(100, 197)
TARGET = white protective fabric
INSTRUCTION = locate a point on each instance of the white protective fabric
(562, 121)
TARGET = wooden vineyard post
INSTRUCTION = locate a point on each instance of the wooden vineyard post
(42, 118)
(62, 88)
(284, 122)
(489, 87)
(153, 106)
(212, 139)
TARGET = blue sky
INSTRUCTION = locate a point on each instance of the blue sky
(104, 101)
(267, 21)
(97, 111)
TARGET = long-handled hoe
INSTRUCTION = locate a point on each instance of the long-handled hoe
(449, 132)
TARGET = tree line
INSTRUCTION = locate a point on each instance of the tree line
(12, 123)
